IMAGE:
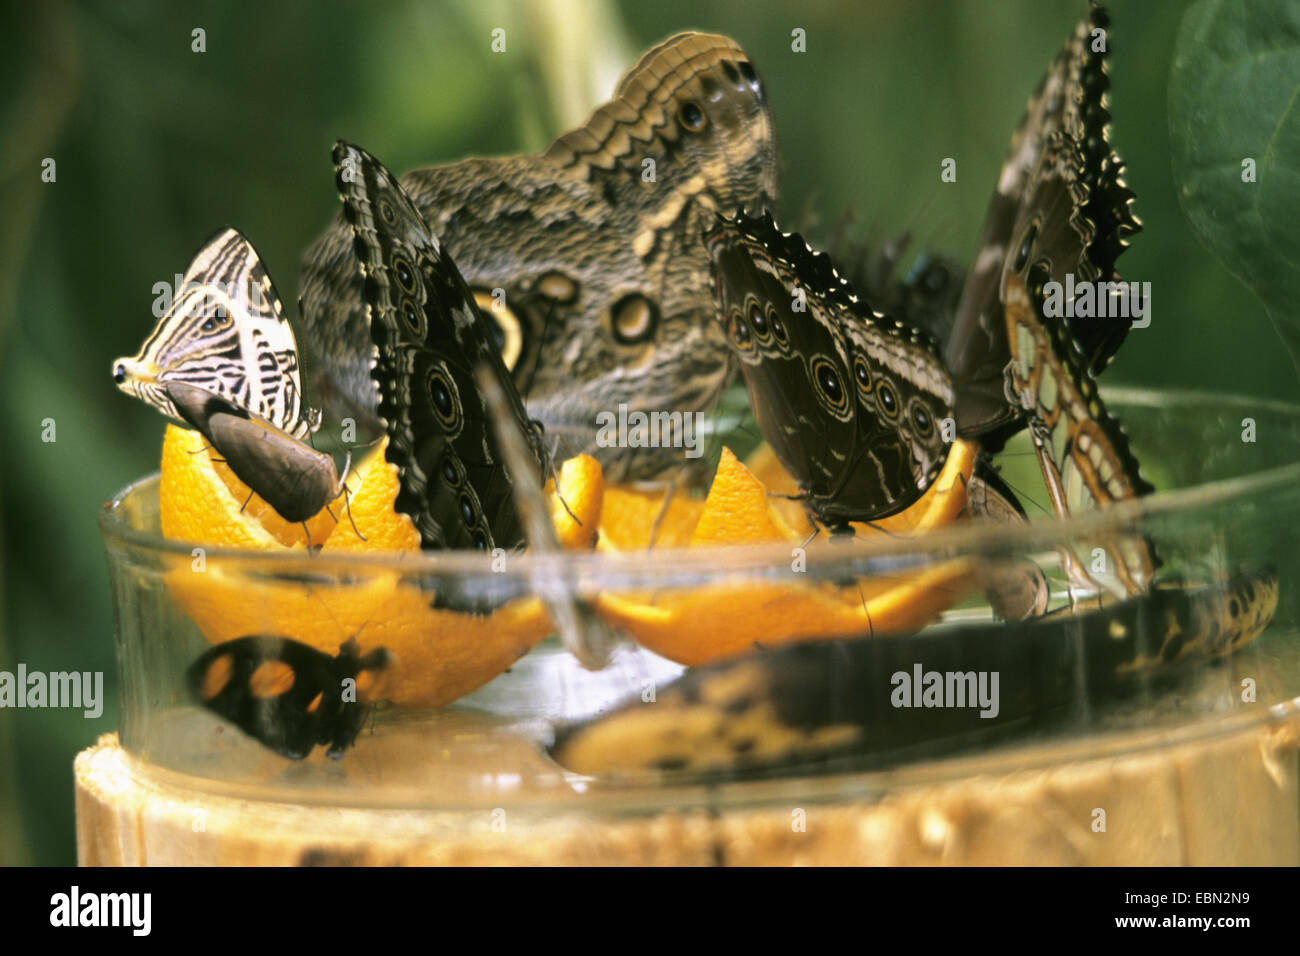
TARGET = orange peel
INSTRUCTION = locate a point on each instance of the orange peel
(699, 625)
(439, 655)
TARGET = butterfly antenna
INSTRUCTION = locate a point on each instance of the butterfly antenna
(249, 499)
(541, 338)
(1026, 498)
(347, 494)
(554, 476)
(883, 530)
(871, 627)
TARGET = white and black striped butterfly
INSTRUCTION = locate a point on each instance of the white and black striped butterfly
(1061, 209)
(223, 360)
(225, 332)
(851, 401)
(429, 337)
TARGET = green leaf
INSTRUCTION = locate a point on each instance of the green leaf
(1234, 97)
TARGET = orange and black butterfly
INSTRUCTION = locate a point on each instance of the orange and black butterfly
(286, 694)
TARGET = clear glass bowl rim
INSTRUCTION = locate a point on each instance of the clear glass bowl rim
(881, 554)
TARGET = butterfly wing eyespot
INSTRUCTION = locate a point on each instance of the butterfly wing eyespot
(692, 117)
(740, 334)
(758, 323)
(412, 319)
(444, 397)
(887, 399)
(827, 380)
(451, 472)
(405, 275)
(634, 319)
(1025, 248)
(862, 375)
(778, 328)
(922, 420)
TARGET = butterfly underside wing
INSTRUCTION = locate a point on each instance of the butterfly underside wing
(1082, 451)
(286, 694)
(428, 336)
(851, 401)
(226, 333)
(841, 705)
(289, 475)
(1061, 208)
(588, 258)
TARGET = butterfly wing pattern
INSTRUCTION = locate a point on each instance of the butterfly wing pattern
(851, 401)
(286, 694)
(225, 332)
(1061, 208)
(428, 337)
(590, 253)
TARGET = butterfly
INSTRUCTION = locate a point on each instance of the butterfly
(862, 702)
(291, 476)
(286, 694)
(223, 360)
(225, 332)
(1082, 451)
(1061, 209)
(428, 336)
(1061, 214)
(852, 401)
(587, 258)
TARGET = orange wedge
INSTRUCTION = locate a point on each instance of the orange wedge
(698, 625)
(440, 655)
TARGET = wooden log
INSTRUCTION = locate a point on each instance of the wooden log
(1228, 799)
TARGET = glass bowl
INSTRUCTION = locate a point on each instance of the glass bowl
(1226, 506)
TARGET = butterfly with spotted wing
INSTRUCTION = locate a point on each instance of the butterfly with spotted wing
(428, 336)
(852, 401)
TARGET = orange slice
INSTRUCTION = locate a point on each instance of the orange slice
(440, 655)
(698, 625)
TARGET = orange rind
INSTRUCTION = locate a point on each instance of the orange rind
(702, 624)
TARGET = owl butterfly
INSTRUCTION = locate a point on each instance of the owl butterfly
(223, 360)
(1061, 214)
(1061, 209)
(428, 338)
(851, 401)
(587, 258)
(286, 694)
(837, 703)
(1082, 451)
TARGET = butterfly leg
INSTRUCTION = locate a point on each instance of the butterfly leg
(347, 495)
(663, 513)
(554, 476)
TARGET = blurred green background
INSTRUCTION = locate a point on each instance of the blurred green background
(156, 146)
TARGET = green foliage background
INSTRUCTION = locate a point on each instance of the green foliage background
(157, 146)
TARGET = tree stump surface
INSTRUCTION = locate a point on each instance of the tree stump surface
(1232, 799)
